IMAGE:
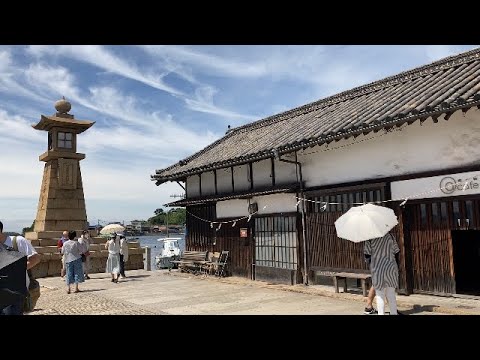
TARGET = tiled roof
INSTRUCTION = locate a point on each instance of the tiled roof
(246, 194)
(441, 87)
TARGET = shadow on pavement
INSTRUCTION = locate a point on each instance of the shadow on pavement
(419, 309)
(134, 277)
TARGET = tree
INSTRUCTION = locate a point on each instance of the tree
(28, 229)
(176, 216)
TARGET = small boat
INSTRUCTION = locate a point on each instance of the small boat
(169, 250)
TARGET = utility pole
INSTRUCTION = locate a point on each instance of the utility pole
(166, 217)
(173, 210)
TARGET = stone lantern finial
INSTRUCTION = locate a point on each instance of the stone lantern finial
(63, 107)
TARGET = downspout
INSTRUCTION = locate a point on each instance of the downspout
(300, 180)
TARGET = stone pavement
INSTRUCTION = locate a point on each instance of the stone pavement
(175, 293)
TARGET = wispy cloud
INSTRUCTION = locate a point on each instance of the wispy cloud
(98, 56)
(212, 64)
(141, 125)
(203, 102)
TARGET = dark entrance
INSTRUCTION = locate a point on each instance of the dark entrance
(466, 259)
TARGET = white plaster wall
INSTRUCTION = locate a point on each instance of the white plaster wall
(262, 174)
(416, 148)
(458, 184)
(224, 181)
(208, 183)
(232, 208)
(275, 203)
(285, 173)
(193, 186)
(241, 181)
(267, 204)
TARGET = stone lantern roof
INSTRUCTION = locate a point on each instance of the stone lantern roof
(63, 119)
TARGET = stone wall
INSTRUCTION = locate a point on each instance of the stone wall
(51, 260)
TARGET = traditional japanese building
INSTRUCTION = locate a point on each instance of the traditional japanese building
(277, 185)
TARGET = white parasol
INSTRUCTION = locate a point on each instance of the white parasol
(112, 228)
(365, 222)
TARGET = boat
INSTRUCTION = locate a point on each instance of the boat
(169, 250)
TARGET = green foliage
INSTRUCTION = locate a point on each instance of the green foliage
(176, 216)
(28, 229)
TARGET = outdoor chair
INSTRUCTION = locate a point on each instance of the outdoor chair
(221, 263)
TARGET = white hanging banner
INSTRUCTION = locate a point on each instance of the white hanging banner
(467, 183)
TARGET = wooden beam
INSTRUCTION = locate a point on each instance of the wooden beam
(447, 116)
(272, 174)
(183, 187)
(200, 183)
(215, 180)
(250, 169)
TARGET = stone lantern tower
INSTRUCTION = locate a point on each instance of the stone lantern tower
(61, 205)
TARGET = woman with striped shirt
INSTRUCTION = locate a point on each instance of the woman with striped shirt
(382, 254)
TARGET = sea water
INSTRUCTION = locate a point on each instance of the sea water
(152, 242)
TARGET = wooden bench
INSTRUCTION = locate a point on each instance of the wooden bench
(191, 259)
(340, 274)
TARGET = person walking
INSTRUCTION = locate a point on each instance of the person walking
(123, 254)
(113, 260)
(84, 241)
(382, 253)
(72, 251)
(369, 309)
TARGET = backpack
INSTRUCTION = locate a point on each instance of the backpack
(33, 289)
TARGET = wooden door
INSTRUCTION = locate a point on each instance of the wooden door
(430, 250)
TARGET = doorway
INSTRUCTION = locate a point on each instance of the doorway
(466, 260)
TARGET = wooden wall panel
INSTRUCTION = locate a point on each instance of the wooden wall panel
(202, 237)
(431, 251)
(326, 249)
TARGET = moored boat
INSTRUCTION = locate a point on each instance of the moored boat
(169, 250)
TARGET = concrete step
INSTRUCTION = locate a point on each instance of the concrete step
(98, 240)
(48, 242)
(46, 249)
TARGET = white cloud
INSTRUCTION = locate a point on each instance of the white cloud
(102, 58)
(203, 102)
(99, 56)
(213, 64)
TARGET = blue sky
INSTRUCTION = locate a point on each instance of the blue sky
(154, 105)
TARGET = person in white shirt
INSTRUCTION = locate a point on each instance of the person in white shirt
(113, 260)
(84, 241)
(72, 251)
(25, 247)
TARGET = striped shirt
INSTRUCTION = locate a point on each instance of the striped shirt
(383, 265)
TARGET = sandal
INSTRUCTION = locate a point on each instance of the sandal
(78, 290)
(68, 291)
